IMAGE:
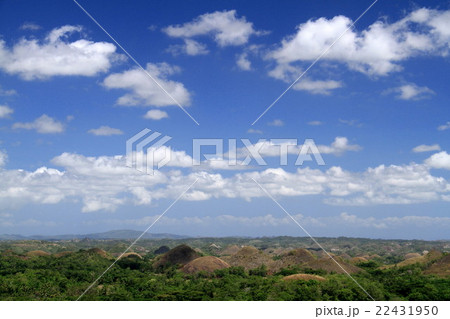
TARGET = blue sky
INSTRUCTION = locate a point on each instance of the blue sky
(376, 106)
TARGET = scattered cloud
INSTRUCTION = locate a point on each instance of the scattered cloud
(57, 56)
(271, 148)
(375, 51)
(315, 123)
(317, 87)
(354, 123)
(43, 124)
(156, 115)
(70, 118)
(439, 160)
(30, 26)
(412, 92)
(144, 91)
(104, 183)
(243, 62)
(276, 122)
(254, 131)
(7, 92)
(426, 148)
(3, 158)
(444, 127)
(190, 47)
(105, 131)
(339, 146)
(224, 26)
(5, 111)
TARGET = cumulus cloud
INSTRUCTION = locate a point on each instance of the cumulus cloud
(272, 148)
(5, 111)
(317, 87)
(426, 148)
(377, 50)
(105, 131)
(104, 183)
(144, 91)
(156, 115)
(254, 131)
(43, 124)
(243, 62)
(56, 55)
(412, 92)
(444, 127)
(190, 47)
(224, 26)
(439, 160)
(276, 122)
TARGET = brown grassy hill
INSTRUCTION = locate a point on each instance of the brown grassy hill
(305, 277)
(440, 268)
(412, 255)
(357, 260)
(433, 255)
(36, 253)
(62, 254)
(207, 263)
(330, 265)
(132, 255)
(250, 258)
(230, 250)
(181, 254)
(298, 256)
(99, 252)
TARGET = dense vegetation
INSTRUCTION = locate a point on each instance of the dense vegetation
(66, 276)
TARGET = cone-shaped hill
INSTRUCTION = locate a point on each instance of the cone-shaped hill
(179, 255)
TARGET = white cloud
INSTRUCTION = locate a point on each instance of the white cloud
(444, 127)
(7, 92)
(269, 148)
(105, 131)
(243, 62)
(426, 148)
(317, 87)
(254, 131)
(224, 26)
(276, 122)
(3, 158)
(156, 115)
(439, 160)
(43, 124)
(190, 47)
(5, 111)
(105, 183)
(412, 92)
(315, 123)
(377, 50)
(57, 56)
(30, 26)
(339, 146)
(144, 91)
(354, 123)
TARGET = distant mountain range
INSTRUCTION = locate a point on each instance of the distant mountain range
(112, 234)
